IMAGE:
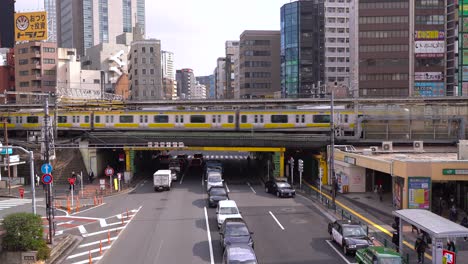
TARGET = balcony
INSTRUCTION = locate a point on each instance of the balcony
(36, 54)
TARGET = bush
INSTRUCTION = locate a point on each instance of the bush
(43, 252)
(24, 232)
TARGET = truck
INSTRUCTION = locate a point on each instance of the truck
(162, 180)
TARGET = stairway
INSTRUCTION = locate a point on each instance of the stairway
(67, 162)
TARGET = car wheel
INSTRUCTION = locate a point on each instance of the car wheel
(345, 250)
(277, 194)
(266, 190)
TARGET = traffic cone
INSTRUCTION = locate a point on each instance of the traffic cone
(90, 259)
(100, 247)
(95, 201)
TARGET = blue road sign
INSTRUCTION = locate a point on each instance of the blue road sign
(47, 178)
(4, 151)
(46, 168)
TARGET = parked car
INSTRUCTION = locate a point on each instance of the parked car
(235, 231)
(349, 235)
(226, 209)
(196, 163)
(213, 178)
(380, 255)
(235, 254)
(281, 189)
(216, 194)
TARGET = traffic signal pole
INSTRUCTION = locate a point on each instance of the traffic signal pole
(47, 160)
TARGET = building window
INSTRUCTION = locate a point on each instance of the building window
(383, 19)
(151, 60)
(49, 50)
(24, 84)
(49, 61)
(144, 71)
(151, 71)
(151, 49)
(143, 49)
(136, 71)
(143, 60)
(23, 50)
(49, 83)
(50, 72)
(24, 73)
(23, 61)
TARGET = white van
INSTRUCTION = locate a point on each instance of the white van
(226, 209)
(162, 179)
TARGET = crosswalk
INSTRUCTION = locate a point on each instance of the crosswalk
(9, 203)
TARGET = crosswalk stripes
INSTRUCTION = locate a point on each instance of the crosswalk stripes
(9, 203)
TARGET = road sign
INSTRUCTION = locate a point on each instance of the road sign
(46, 178)
(71, 181)
(46, 168)
(109, 171)
(449, 256)
(5, 151)
(119, 175)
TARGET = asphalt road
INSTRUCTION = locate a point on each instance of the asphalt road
(171, 226)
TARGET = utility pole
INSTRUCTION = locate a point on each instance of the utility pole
(47, 160)
(332, 145)
(5, 124)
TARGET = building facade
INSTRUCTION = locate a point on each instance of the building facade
(51, 9)
(199, 92)
(83, 24)
(206, 81)
(259, 64)
(169, 88)
(220, 78)
(167, 63)
(144, 68)
(185, 83)
(7, 26)
(302, 48)
(232, 62)
(35, 69)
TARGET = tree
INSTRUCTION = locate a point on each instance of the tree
(24, 232)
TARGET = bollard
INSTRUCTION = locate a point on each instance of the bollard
(90, 259)
(108, 237)
(100, 247)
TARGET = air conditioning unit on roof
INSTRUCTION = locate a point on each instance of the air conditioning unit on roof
(418, 145)
(374, 148)
(387, 146)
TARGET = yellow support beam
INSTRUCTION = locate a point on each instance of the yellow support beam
(282, 164)
(128, 166)
(243, 149)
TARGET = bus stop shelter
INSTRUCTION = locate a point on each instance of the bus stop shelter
(437, 227)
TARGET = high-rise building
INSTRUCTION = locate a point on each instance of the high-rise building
(259, 60)
(7, 26)
(198, 92)
(167, 63)
(51, 9)
(402, 48)
(35, 69)
(83, 24)
(185, 83)
(206, 81)
(144, 70)
(220, 78)
(232, 61)
(302, 48)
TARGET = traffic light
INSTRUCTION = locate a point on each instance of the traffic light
(301, 165)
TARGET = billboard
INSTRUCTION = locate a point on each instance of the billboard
(31, 26)
(419, 193)
(429, 46)
(429, 89)
(428, 76)
(429, 35)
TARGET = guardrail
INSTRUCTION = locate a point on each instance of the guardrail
(325, 200)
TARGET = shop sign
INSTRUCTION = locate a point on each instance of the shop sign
(429, 89)
(428, 76)
(429, 34)
(31, 26)
(350, 160)
(419, 193)
(455, 172)
(429, 46)
(465, 24)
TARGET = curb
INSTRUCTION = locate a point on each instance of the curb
(63, 249)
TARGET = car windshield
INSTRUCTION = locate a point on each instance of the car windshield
(215, 178)
(390, 260)
(283, 185)
(236, 230)
(353, 231)
(228, 210)
(217, 192)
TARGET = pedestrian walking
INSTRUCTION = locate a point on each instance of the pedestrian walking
(451, 245)
(38, 179)
(420, 248)
(91, 176)
(380, 191)
(453, 214)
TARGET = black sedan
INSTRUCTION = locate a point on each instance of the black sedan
(349, 235)
(281, 189)
(216, 194)
(235, 231)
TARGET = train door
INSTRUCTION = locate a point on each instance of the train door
(215, 121)
(179, 121)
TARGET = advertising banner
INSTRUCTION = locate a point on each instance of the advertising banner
(429, 35)
(429, 89)
(429, 76)
(31, 26)
(465, 73)
(419, 193)
(428, 46)
(398, 186)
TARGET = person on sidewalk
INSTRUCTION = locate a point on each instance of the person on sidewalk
(38, 180)
(420, 248)
(413, 227)
(380, 193)
(453, 214)
(91, 177)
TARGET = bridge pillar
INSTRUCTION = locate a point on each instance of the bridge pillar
(281, 164)
(128, 160)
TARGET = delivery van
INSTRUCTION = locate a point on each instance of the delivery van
(162, 180)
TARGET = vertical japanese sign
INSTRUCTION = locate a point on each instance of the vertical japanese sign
(398, 186)
(419, 193)
(462, 45)
(31, 26)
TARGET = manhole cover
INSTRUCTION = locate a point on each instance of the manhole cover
(299, 221)
(163, 199)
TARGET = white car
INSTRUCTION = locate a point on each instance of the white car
(226, 209)
(214, 178)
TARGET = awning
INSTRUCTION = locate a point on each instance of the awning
(433, 224)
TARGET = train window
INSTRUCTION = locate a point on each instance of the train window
(231, 119)
(19, 119)
(297, 119)
(73, 119)
(112, 119)
(279, 119)
(197, 119)
(163, 119)
(107, 119)
(146, 119)
(255, 118)
(97, 119)
(219, 118)
(78, 119)
(32, 119)
(243, 119)
(303, 118)
(346, 118)
(62, 119)
(141, 119)
(214, 119)
(261, 118)
(321, 119)
(176, 119)
(126, 119)
(86, 119)
(181, 118)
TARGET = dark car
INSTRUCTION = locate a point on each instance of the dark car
(281, 189)
(349, 235)
(235, 231)
(236, 254)
(196, 163)
(216, 194)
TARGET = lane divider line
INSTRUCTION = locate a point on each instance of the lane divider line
(227, 188)
(103, 222)
(94, 207)
(82, 230)
(272, 215)
(339, 253)
(209, 236)
(96, 242)
(251, 188)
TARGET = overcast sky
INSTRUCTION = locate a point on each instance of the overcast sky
(196, 30)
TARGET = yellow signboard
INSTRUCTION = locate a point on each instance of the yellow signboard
(31, 26)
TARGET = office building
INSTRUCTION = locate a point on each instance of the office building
(259, 60)
(185, 83)
(51, 9)
(232, 63)
(144, 70)
(83, 24)
(35, 69)
(220, 78)
(198, 92)
(167, 63)
(302, 48)
(7, 26)
(7, 73)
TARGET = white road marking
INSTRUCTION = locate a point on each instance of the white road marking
(227, 188)
(102, 222)
(272, 215)
(64, 223)
(94, 207)
(159, 250)
(182, 179)
(119, 216)
(118, 223)
(248, 183)
(209, 236)
(87, 261)
(58, 233)
(82, 230)
(97, 242)
(339, 253)
(87, 252)
(104, 231)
